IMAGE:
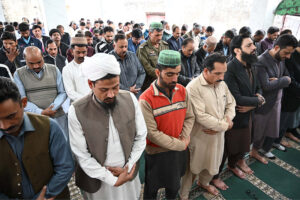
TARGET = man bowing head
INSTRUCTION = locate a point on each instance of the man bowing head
(107, 134)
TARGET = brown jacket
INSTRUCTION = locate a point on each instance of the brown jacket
(94, 120)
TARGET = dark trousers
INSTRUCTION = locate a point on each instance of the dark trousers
(284, 119)
(268, 143)
(164, 170)
(232, 160)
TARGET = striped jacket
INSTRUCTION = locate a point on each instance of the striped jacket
(166, 119)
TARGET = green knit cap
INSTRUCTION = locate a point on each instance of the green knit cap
(156, 25)
(169, 58)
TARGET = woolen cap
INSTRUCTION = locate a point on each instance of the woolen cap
(78, 40)
(156, 25)
(169, 58)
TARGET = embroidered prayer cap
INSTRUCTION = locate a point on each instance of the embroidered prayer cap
(169, 58)
(156, 25)
(78, 41)
(100, 65)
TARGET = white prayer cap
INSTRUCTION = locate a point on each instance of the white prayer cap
(99, 65)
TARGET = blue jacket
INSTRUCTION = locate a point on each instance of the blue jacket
(133, 47)
(32, 42)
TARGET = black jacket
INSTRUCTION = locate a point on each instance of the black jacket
(266, 68)
(19, 62)
(62, 49)
(45, 39)
(65, 38)
(59, 61)
(183, 78)
(220, 48)
(238, 82)
(291, 95)
(200, 54)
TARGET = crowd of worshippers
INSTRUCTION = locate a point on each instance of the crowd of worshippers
(104, 96)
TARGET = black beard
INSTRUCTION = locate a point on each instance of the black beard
(107, 106)
(249, 58)
(277, 56)
(165, 85)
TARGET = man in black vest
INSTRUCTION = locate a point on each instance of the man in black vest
(35, 158)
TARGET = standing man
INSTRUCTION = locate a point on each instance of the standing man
(205, 50)
(108, 152)
(214, 109)
(273, 77)
(223, 45)
(75, 83)
(106, 44)
(148, 52)
(169, 118)
(136, 40)
(194, 34)
(35, 158)
(243, 84)
(42, 85)
(189, 67)
(37, 32)
(176, 40)
(11, 54)
(26, 40)
(132, 72)
(61, 47)
(53, 57)
(65, 37)
(272, 35)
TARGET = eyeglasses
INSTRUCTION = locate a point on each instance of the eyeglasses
(251, 195)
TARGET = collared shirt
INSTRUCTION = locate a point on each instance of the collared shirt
(76, 84)
(132, 71)
(88, 163)
(133, 47)
(175, 44)
(58, 101)
(60, 153)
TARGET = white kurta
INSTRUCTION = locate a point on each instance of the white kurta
(115, 157)
(76, 84)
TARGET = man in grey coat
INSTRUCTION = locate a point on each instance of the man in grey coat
(132, 72)
(273, 77)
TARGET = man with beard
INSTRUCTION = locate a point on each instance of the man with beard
(148, 52)
(132, 72)
(106, 43)
(169, 118)
(109, 144)
(267, 43)
(11, 54)
(273, 77)
(75, 83)
(26, 40)
(35, 159)
(42, 85)
(214, 109)
(243, 85)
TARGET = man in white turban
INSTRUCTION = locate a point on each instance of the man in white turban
(107, 134)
